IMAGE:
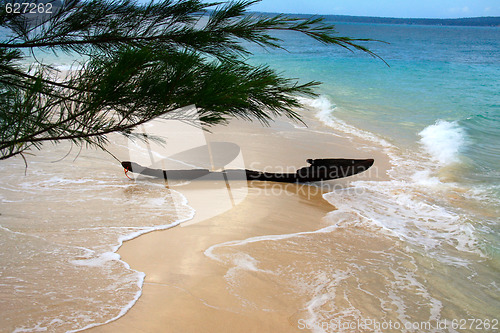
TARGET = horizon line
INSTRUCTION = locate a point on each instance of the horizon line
(382, 17)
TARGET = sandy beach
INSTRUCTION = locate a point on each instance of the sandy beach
(186, 290)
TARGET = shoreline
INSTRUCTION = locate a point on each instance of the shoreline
(178, 271)
(182, 281)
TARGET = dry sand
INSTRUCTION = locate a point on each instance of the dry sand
(187, 291)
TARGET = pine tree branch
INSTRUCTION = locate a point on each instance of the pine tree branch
(144, 62)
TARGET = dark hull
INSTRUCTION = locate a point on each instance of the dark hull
(323, 169)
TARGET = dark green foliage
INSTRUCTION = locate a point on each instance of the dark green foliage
(144, 62)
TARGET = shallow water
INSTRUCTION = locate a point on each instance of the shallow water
(60, 224)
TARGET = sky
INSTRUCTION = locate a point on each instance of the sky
(385, 8)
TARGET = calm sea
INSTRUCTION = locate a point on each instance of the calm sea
(441, 79)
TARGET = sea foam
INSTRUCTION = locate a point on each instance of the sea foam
(325, 113)
(69, 222)
(443, 141)
(405, 205)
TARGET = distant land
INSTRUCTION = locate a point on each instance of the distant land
(487, 21)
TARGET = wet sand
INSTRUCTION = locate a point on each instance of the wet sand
(187, 291)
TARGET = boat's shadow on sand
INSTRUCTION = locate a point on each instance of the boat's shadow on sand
(210, 198)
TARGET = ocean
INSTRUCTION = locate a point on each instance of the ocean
(429, 236)
(436, 112)
(437, 105)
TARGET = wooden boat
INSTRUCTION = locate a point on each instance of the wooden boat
(318, 170)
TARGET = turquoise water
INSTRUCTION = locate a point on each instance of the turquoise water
(445, 73)
(436, 112)
(439, 97)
